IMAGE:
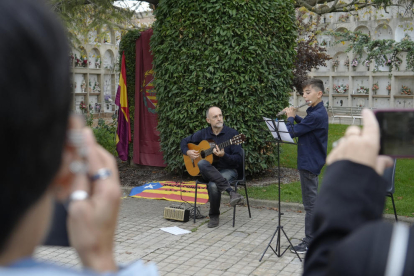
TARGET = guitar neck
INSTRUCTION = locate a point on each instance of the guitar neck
(221, 146)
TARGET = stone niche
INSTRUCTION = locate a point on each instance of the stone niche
(403, 103)
(382, 83)
(78, 100)
(340, 101)
(381, 103)
(359, 101)
(79, 84)
(359, 83)
(94, 60)
(108, 61)
(403, 81)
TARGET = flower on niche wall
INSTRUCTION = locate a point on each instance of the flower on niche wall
(340, 89)
(354, 62)
(82, 106)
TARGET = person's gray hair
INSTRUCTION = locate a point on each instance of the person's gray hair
(208, 110)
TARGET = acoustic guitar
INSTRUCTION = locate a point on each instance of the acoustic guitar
(205, 149)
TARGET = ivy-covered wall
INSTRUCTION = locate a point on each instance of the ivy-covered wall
(235, 54)
(127, 46)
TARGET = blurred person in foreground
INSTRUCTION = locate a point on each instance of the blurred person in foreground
(48, 154)
(350, 237)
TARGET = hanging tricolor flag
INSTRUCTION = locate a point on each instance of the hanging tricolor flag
(123, 132)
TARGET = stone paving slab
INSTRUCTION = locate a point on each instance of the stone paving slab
(225, 250)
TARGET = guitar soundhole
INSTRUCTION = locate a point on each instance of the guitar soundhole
(203, 154)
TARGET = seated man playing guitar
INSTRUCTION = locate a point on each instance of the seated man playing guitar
(218, 174)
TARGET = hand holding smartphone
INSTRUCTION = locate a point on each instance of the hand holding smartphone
(361, 146)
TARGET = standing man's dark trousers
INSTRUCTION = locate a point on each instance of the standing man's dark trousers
(309, 183)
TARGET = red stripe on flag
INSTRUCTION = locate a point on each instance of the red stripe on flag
(171, 197)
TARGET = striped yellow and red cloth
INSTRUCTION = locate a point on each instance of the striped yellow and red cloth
(172, 191)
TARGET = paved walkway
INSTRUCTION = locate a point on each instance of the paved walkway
(206, 251)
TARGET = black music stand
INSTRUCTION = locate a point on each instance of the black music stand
(274, 127)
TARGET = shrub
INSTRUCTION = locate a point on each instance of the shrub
(235, 54)
(105, 135)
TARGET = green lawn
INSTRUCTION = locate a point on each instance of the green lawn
(404, 186)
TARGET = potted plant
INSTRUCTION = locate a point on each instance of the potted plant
(78, 61)
(367, 63)
(341, 89)
(375, 88)
(363, 90)
(405, 90)
(335, 64)
(82, 107)
(108, 99)
(389, 88)
(388, 61)
(97, 107)
(98, 62)
(343, 17)
(354, 63)
(84, 61)
(347, 63)
(96, 88)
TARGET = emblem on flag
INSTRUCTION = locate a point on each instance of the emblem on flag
(150, 95)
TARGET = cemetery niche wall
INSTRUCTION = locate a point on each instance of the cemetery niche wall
(94, 74)
(348, 81)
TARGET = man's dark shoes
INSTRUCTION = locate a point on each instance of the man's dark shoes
(301, 248)
(235, 198)
(214, 221)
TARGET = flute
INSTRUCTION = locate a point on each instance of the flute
(297, 107)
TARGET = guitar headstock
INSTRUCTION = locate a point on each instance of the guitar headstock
(238, 139)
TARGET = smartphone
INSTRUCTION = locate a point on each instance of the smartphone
(396, 132)
(58, 232)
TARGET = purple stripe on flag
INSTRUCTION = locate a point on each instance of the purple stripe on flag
(118, 96)
(122, 131)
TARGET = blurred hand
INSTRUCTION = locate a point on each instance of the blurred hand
(361, 146)
(92, 222)
(290, 111)
(193, 154)
(218, 152)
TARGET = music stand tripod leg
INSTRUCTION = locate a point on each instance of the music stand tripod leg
(270, 244)
(279, 228)
(291, 245)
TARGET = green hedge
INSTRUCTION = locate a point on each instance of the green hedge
(127, 46)
(235, 54)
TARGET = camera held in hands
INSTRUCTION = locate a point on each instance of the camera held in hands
(396, 132)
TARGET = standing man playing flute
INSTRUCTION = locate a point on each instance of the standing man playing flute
(312, 133)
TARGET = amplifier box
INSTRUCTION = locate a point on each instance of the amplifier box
(177, 213)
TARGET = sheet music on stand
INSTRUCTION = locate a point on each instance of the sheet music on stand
(279, 130)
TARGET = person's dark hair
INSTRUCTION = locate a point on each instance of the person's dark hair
(34, 105)
(316, 84)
